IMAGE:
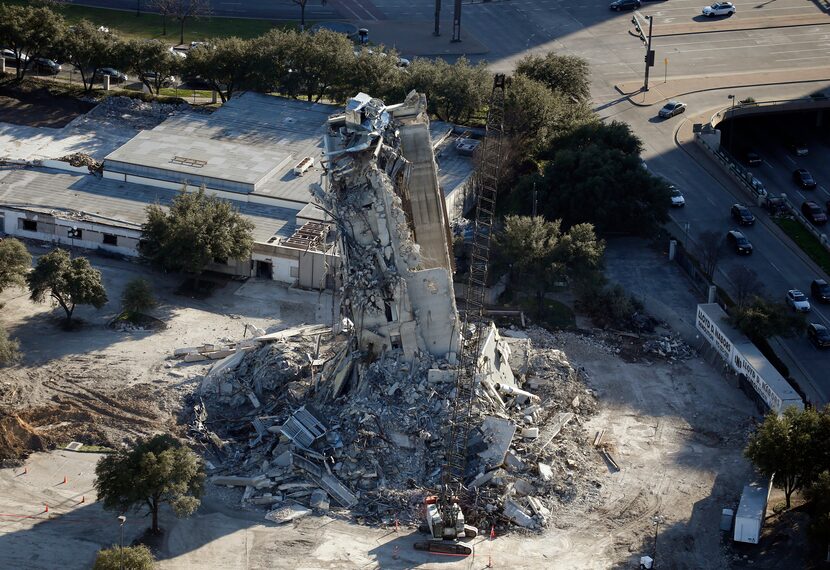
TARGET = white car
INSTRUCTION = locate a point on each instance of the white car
(671, 109)
(719, 9)
(677, 199)
(798, 301)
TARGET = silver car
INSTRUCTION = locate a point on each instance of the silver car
(671, 109)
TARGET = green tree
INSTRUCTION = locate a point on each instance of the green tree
(181, 11)
(69, 282)
(156, 471)
(818, 495)
(782, 446)
(136, 557)
(225, 63)
(15, 262)
(89, 49)
(196, 230)
(567, 74)
(374, 71)
(596, 177)
(534, 114)
(30, 32)
(762, 318)
(541, 254)
(151, 61)
(747, 284)
(456, 91)
(9, 349)
(137, 298)
(319, 62)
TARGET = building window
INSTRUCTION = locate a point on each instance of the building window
(294, 271)
(110, 239)
(391, 311)
(28, 225)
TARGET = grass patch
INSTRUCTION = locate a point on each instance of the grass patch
(151, 25)
(184, 93)
(808, 243)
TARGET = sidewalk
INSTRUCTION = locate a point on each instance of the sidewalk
(660, 91)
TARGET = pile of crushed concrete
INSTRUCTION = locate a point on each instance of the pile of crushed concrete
(273, 425)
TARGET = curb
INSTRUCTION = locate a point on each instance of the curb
(717, 88)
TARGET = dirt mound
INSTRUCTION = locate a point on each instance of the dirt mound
(18, 438)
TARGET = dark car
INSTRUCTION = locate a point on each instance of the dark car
(818, 335)
(624, 5)
(45, 65)
(114, 75)
(820, 290)
(752, 158)
(814, 213)
(804, 179)
(738, 242)
(742, 215)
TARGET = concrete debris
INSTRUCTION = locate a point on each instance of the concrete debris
(377, 449)
(287, 513)
(669, 347)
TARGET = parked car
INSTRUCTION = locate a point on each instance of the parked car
(798, 301)
(618, 5)
(814, 213)
(719, 9)
(166, 82)
(671, 109)
(677, 199)
(45, 65)
(742, 215)
(752, 158)
(820, 290)
(798, 148)
(738, 242)
(804, 179)
(11, 59)
(114, 75)
(818, 335)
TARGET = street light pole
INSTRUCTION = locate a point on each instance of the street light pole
(649, 53)
(121, 519)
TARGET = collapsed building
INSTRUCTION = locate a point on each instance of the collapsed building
(359, 413)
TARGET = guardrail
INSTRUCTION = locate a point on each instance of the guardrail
(756, 107)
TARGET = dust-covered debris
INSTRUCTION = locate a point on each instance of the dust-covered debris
(382, 441)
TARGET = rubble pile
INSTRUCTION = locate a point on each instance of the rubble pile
(270, 427)
(127, 111)
(81, 159)
(671, 347)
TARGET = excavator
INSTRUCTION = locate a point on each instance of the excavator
(445, 520)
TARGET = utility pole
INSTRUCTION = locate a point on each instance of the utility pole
(437, 31)
(456, 22)
(122, 519)
(649, 52)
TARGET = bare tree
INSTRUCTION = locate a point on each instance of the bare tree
(747, 284)
(181, 11)
(301, 4)
(709, 250)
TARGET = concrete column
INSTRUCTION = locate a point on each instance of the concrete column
(213, 97)
(106, 83)
(672, 249)
(713, 293)
(2, 65)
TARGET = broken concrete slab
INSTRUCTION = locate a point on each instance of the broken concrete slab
(514, 512)
(523, 487)
(258, 482)
(498, 433)
(319, 500)
(545, 472)
(530, 432)
(287, 513)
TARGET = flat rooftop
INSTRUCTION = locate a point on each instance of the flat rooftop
(218, 164)
(117, 203)
(276, 124)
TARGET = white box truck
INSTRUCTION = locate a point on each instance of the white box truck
(751, 511)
